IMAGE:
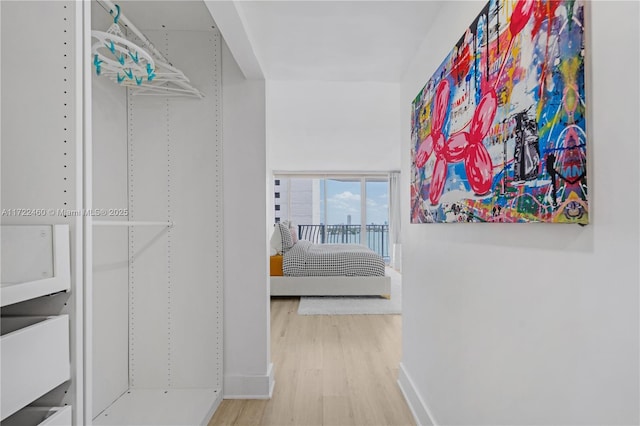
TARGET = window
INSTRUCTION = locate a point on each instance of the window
(350, 209)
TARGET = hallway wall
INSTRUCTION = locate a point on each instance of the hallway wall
(537, 323)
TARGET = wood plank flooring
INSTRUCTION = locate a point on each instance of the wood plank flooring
(338, 370)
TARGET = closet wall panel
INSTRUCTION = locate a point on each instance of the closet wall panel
(175, 174)
(149, 180)
(38, 110)
(195, 205)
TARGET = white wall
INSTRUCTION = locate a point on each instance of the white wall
(325, 126)
(247, 367)
(532, 324)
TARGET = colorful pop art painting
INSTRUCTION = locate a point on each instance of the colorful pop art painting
(498, 132)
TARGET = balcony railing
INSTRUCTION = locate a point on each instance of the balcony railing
(377, 236)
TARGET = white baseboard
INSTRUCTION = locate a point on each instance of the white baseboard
(249, 387)
(420, 410)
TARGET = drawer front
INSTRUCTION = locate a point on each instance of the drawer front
(40, 416)
(35, 360)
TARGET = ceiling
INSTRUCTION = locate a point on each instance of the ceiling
(336, 40)
(305, 40)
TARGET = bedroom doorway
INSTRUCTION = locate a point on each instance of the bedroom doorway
(321, 347)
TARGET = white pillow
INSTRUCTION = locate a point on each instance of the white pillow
(276, 241)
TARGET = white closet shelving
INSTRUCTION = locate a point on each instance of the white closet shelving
(116, 320)
(156, 273)
(41, 296)
(34, 350)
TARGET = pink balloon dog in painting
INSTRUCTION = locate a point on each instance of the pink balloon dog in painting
(460, 146)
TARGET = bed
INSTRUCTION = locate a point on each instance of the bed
(302, 268)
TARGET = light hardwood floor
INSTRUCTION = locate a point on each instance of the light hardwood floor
(334, 370)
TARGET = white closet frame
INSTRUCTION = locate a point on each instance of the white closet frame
(34, 182)
(87, 184)
(90, 223)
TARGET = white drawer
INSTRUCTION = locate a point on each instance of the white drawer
(35, 359)
(40, 416)
(35, 262)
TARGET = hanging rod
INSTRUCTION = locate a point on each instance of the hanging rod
(131, 223)
(111, 7)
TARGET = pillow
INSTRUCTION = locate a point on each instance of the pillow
(281, 240)
(276, 241)
(285, 233)
(292, 229)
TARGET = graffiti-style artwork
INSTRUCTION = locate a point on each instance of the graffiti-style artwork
(498, 132)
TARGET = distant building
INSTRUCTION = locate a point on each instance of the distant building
(297, 200)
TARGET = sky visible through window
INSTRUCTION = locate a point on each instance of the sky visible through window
(343, 200)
